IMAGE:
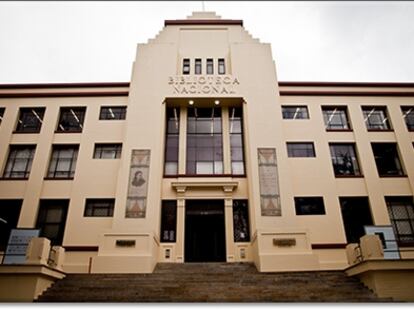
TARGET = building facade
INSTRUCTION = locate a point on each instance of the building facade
(206, 156)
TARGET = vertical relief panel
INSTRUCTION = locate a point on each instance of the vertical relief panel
(138, 184)
(269, 182)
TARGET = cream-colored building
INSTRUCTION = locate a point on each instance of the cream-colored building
(206, 156)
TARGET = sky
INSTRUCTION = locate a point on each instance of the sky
(67, 42)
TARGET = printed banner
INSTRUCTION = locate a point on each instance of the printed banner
(269, 182)
(136, 205)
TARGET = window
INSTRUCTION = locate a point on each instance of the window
(344, 159)
(309, 206)
(387, 159)
(408, 114)
(376, 118)
(241, 221)
(221, 66)
(210, 66)
(401, 212)
(172, 141)
(186, 66)
(30, 119)
(197, 68)
(19, 162)
(9, 215)
(355, 214)
(168, 221)
(51, 219)
(1, 114)
(99, 207)
(107, 151)
(300, 149)
(295, 112)
(204, 141)
(113, 113)
(335, 118)
(236, 141)
(63, 162)
(71, 119)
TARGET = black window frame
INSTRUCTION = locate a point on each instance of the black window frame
(236, 133)
(197, 140)
(112, 113)
(381, 162)
(186, 66)
(407, 203)
(343, 163)
(241, 221)
(384, 125)
(46, 205)
(66, 115)
(198, 66)
(172, 136)
(168, 221)
(221, 66)
(307, 146)
(409, 121)
(313, 209)
(300, 110)
(210, 66)
(329, 112)
(63, 174)
(30, 120)
(101, 148)
(11, 173)
(93, 205)
(2, 111)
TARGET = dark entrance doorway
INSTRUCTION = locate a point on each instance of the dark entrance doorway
(355, 215)
(205, 239)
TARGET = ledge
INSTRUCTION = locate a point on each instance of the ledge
(380, 264)
(227, 187)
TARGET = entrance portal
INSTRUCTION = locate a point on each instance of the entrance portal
(205, 239)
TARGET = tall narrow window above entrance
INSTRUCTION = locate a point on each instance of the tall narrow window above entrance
(186, 66)
(204, 141)
(197, 67)
(210, 66)
(172, 141)
(221, 66)
(236, 141)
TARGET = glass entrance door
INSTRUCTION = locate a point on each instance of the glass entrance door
(205, 231)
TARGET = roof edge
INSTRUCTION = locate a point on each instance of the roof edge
(345, 84)
(199, 22)
(65, 85)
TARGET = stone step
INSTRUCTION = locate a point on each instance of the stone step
(210, 282)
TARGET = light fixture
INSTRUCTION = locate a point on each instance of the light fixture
(190, 102)
(216, 102)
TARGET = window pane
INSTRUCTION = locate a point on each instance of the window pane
(113, 113)
(401, 210)
(19, 162)
(309, 206)
(241, 221)
(335, 118)
(186, 66)
(376, 118)
(168, 221)
(408, 114)
(387, 159)
(71, 119)
(210, 69)
(344, 159)
(99, 207)
(108, 151)
(63, 162)
(237, 167)
(305, 149)
(197, 66)
(30, 119)
(172, 141)
(221, 66)
(295, 112)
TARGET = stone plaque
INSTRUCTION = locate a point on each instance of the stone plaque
(138, 184)
(125, 243)
(269, 182)
(284, 242)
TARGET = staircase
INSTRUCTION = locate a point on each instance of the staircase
(210, 282)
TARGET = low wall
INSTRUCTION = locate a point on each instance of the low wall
(24, 283)
(387, 278)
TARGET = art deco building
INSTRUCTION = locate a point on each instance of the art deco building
(206, 156)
